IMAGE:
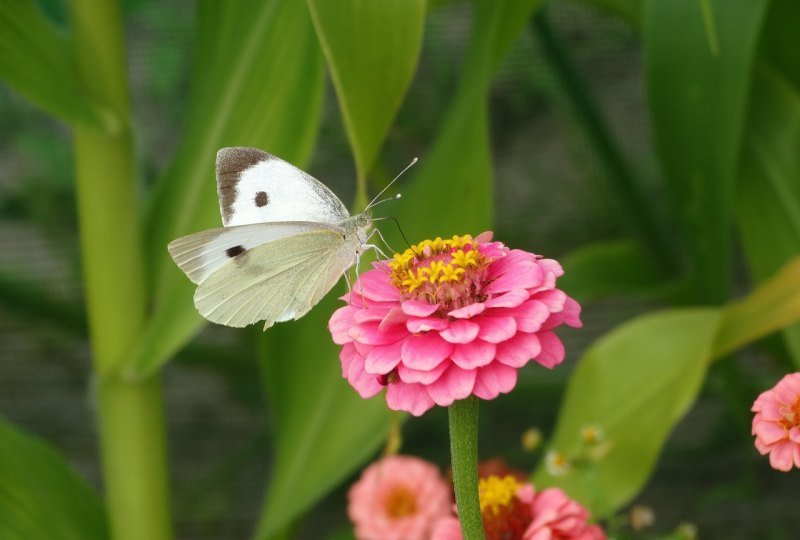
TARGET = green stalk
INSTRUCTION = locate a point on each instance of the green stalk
(131, 419)
(463, 419)
(621, 183)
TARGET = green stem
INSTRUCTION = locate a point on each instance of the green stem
(621, 182)
(463, 419)
(131, 418)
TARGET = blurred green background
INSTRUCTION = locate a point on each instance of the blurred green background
(570, 114)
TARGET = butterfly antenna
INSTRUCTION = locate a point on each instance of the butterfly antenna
(399, 228)
(372, 203)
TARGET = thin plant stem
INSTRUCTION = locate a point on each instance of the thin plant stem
(131, 417)
(463, 420)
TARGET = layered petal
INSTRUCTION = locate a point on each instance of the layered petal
(776, 424)
(451, 318)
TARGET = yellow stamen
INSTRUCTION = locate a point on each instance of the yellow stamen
(434, 262)
(497, 493)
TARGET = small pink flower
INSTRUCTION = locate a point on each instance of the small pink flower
(448, 319)
(511, 510)
(398, 498)
(776, 423)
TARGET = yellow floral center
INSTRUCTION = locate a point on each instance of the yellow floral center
(399, 503)
(496, 493)
(505, 516)
(446, 272)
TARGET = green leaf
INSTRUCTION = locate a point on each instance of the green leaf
(372, 49)
(36, 60)
(697, 103)
(611, 268)
(454, 182)
(639, 380)
(772, 306)
(636, 383)
(40, 496)
(768, 195)
(324, 429)
(258, 81)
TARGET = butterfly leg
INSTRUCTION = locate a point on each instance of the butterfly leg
(385, 243)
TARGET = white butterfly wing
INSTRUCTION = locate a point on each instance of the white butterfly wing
(256, 187)
(276, 281)
(199, 255)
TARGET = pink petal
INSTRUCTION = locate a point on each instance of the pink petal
(394, 317)
(781, 457)
(372, 313)
(346, 357)
(552, 350)
(794, 435)
(510, 263)
(375, 285)
(496, 329)
(447, 528)
(524, 275)
(493, 380)
(762, 448)
(484, 237)
(467, 312)
(551, 266)
(455, 383)
(769, 433)
(572, 313)
(554, 299)
(365, 384)
(340, 323)
(381, 359)
(412, 398)
(408, 375)
(461, 331)
(417, 308)
(370, 333)
(517, 351)
(474, 354)
(530, 316)
(425, 351)
(416, 325)
(510, 299)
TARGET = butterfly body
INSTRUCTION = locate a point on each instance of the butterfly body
(286, 241)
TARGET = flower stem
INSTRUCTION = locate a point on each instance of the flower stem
(463, 419)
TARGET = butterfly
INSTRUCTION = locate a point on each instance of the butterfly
(286, 241)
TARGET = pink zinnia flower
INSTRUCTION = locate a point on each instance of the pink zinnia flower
(776, 424)
(451, 318)
(511, 510)
(398, 498)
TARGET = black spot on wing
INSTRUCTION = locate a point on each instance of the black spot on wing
(234, 251)
(230, 164)
(262, 199)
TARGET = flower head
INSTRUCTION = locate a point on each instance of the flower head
(776, 423)
(451, 318)
(398, 498)
(511, 510)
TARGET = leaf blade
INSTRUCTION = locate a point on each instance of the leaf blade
(41, 67)
(696, 97)
(40, 496)
(372, 50)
